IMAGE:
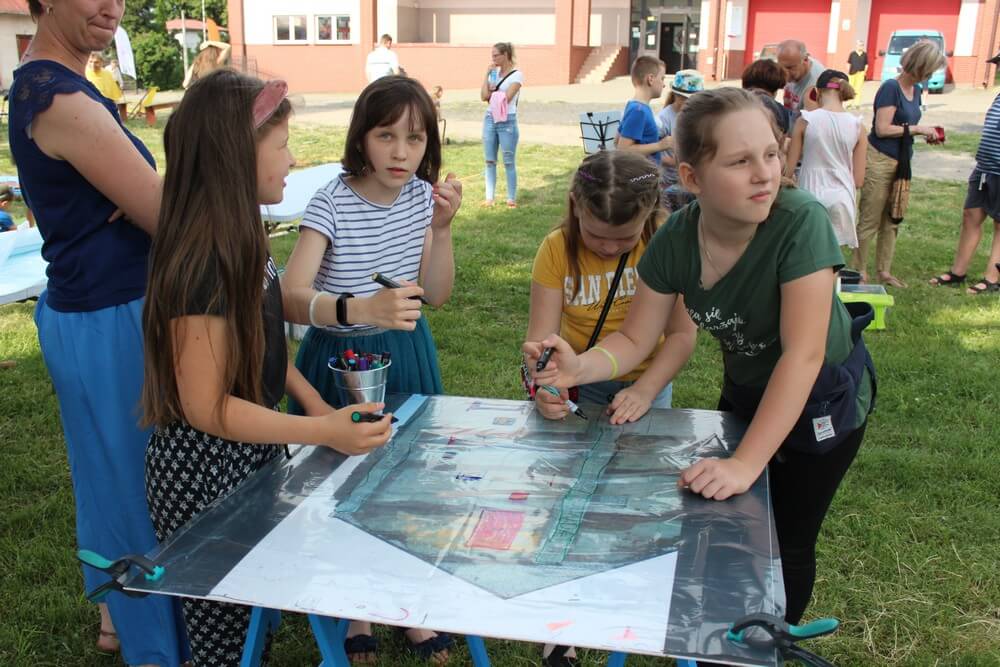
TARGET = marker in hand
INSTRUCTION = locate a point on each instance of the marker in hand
(544, 359)
(359, 417)
(392, 284)
(573, 407)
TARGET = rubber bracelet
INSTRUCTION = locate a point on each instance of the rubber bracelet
(312, 309)
(611, 358)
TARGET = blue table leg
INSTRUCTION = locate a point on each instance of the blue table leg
(616, 659)
(330, 634)
(477, 649)
(262, 623)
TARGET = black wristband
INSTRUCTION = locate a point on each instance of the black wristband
(342, 309)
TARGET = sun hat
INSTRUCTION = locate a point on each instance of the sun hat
(687, 82)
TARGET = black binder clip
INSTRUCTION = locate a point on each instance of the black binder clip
(118, 570)
(784, 636)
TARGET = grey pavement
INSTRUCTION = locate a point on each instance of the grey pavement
(550, 115)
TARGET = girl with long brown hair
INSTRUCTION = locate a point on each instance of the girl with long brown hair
(756, 265)
(613, 209)
(216, 361)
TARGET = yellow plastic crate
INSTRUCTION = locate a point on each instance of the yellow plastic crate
(873, 294)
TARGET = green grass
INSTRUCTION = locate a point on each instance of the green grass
(908, 557)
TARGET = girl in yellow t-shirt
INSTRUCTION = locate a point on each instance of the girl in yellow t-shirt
(613, 209)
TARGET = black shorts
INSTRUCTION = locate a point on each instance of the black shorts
(984, 193)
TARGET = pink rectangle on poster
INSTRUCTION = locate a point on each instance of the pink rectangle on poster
(496, 529)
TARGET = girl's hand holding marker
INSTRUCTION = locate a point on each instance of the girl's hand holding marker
(562, 365)
(354, 437)
(395, 307)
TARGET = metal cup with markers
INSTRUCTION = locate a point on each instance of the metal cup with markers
(361, 377)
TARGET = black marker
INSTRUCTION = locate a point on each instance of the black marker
(392, 284)
(544, 359)
(358, 417)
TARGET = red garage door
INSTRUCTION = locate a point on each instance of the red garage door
(771, 21)
(889, 15)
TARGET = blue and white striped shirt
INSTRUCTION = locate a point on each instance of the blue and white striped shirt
(988, 155)
(366, 237)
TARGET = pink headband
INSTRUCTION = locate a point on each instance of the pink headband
(832, 84)
(267, 101)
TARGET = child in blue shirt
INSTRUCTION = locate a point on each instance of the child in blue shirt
(7, 223)
(637, 130)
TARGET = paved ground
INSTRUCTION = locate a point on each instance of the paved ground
(550, 115)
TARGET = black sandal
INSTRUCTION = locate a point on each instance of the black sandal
(987, 286)
(426, 649)
(950, 279)
(558, 658)
(361, 645)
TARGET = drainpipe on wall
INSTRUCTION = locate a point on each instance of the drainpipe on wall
(718, 52)
(991, 48)
(243, 32)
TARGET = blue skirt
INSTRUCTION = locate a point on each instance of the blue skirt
(414, 360)
(95, 360)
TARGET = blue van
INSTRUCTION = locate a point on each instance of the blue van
(899, 42)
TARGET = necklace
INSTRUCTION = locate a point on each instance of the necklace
(708, 255)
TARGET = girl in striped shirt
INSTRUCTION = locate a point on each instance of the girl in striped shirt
(387, 214)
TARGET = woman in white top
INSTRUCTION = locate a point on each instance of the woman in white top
(500, 131)
(831, 143)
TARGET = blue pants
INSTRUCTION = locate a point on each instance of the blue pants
(95, 360)
(500, 136)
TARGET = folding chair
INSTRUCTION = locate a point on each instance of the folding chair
(598, 130)
(146, 100)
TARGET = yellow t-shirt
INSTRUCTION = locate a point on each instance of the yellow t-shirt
(105, 84)
(581, 310)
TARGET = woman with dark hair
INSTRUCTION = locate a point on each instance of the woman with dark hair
(765, 78)
(80, 168)
(501, 90)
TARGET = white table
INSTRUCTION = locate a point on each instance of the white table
(22, 274)
(300, 186)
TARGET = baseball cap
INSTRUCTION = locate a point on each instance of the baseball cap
(687, 82)
(828, 76)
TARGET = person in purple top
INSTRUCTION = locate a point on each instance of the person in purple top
(95, 193)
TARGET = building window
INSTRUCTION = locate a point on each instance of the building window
(333, 28)
(290, 28)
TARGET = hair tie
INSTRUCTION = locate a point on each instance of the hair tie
(833, 84)
(643, 177)
(587, 176)
(267, 101)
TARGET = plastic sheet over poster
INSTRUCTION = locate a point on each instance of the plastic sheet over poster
(480, 517)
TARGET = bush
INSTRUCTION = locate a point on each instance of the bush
(158, 60)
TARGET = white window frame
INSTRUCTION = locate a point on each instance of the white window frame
(291, 29)
(333, 28)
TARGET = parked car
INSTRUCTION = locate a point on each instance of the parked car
(899, 42)
(768, 52)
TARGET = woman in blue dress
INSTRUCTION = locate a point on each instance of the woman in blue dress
(95, 193)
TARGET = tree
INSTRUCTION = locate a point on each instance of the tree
(158, 58)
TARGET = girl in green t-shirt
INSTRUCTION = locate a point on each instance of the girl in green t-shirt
(613, 208)
(756, 265)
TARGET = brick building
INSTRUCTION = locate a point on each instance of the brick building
(321, 45)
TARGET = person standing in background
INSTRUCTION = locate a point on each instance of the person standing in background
(857, 68)
(382, 61)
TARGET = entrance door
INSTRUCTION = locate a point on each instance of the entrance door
(672, 45)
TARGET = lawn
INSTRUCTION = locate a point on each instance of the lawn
(905, 559)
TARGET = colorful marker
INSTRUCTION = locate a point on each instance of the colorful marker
(358, 417)
(544, 359)
(573, 407)
(392, 284)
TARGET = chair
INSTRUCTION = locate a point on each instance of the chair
(145, 101)
(598, 130)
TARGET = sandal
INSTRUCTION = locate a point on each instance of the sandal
(558, 658)
(360, 645)
(511, 204)
(107, 641)
(427, 649)
(947, 279)
(984, 285)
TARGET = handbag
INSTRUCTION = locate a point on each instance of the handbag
(899, 192)
(574, 392)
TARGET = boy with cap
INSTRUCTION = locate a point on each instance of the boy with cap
(637, 130)
(686, 82)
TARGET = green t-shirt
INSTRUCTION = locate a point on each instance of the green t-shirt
(743, 309)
